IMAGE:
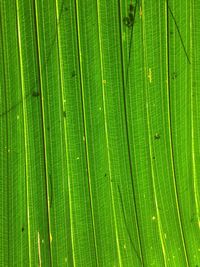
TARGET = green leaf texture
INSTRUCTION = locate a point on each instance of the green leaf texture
(100, 133)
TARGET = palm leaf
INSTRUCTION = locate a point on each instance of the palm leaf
(99, 121)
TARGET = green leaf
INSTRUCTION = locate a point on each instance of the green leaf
(99, 122)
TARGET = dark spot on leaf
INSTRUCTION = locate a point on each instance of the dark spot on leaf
(128, 21)
(125, 21)
(22, 229)
(174, 75)
(131, 18)
(105, 175)
(157, 136)
(73, 74)
(64, 114)
(35, 93)
(153, 157)
(131, 8)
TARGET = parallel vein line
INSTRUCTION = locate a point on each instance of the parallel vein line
(85, 129)
(25, 132)
(160, 231)
(43, 126)
(170, 130)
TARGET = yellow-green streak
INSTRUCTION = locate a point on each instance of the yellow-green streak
(107, 139)
(65, 132)
(44, 130)
(149, 135)
(195, 178)
(25, 129)
(170, 133)
(85, 130)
